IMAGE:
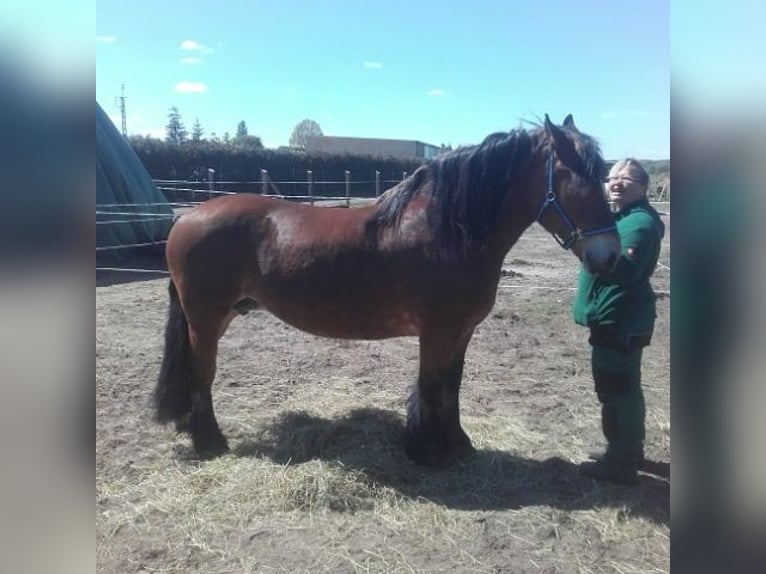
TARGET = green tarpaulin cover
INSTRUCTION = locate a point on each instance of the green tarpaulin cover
(136, 211)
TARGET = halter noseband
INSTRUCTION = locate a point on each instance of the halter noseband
(575, 233)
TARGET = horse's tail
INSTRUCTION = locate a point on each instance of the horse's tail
(172, 395)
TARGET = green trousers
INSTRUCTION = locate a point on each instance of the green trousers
(617, 378)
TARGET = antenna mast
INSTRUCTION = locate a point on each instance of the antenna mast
(121, 104)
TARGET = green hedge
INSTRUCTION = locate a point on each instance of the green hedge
(179, 162)
(234, 163)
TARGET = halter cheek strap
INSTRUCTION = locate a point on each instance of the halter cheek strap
(575, 233)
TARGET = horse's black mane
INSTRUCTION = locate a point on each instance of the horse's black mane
(469, 184)
(588, 163)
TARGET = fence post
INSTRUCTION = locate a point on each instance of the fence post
(310, 177)
(210, 182)
(404, 175)
(377, 183)
(348, 188)
(264, 182)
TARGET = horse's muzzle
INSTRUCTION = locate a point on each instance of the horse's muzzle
(599, 253)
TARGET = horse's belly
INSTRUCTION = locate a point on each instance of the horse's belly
(348, 321)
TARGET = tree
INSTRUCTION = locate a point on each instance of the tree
(243, 140)
(247, 142)
(175, 132)
(303, 131)
(197, 131)
(241, 129)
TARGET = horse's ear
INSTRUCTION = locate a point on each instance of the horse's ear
(563, 146)
(550, 130)
(569, 122)
(548, 125)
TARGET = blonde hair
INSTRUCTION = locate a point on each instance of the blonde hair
(635, 167)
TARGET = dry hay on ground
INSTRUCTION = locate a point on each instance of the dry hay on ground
(317, 480)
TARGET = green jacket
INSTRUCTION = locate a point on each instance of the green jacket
(624, 301)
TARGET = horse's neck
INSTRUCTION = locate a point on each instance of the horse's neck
(516, 219)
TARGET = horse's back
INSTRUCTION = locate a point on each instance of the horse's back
(241, 239)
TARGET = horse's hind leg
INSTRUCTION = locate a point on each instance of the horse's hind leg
(434, 434)
(204, 333)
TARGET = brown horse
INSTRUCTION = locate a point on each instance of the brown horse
(424, 260)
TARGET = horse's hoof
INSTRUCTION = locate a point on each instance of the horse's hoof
(212, 452)
(464, 451)
(462, 446)
(437, 453)
(426, 458)
(211, 448)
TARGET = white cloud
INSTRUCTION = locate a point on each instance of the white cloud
(194, 46)
(369, 64)
(190, 87)
(436, 92)
(190, 45)
(191, 60)
(106, 39)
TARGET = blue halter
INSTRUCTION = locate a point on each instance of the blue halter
(575, 233)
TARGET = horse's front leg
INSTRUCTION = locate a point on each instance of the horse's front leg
(434, 434)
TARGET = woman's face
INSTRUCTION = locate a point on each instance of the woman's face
(623, 187)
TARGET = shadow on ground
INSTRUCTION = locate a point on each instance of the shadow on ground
(371, 441)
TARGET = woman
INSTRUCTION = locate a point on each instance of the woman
(619, 310)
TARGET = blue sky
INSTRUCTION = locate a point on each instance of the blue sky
(717, 50)
(435, 71)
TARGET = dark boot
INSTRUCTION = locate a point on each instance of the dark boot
(609, 471)
(599, 454)
(620, 460)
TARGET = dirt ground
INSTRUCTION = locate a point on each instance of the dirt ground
(317, 480)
